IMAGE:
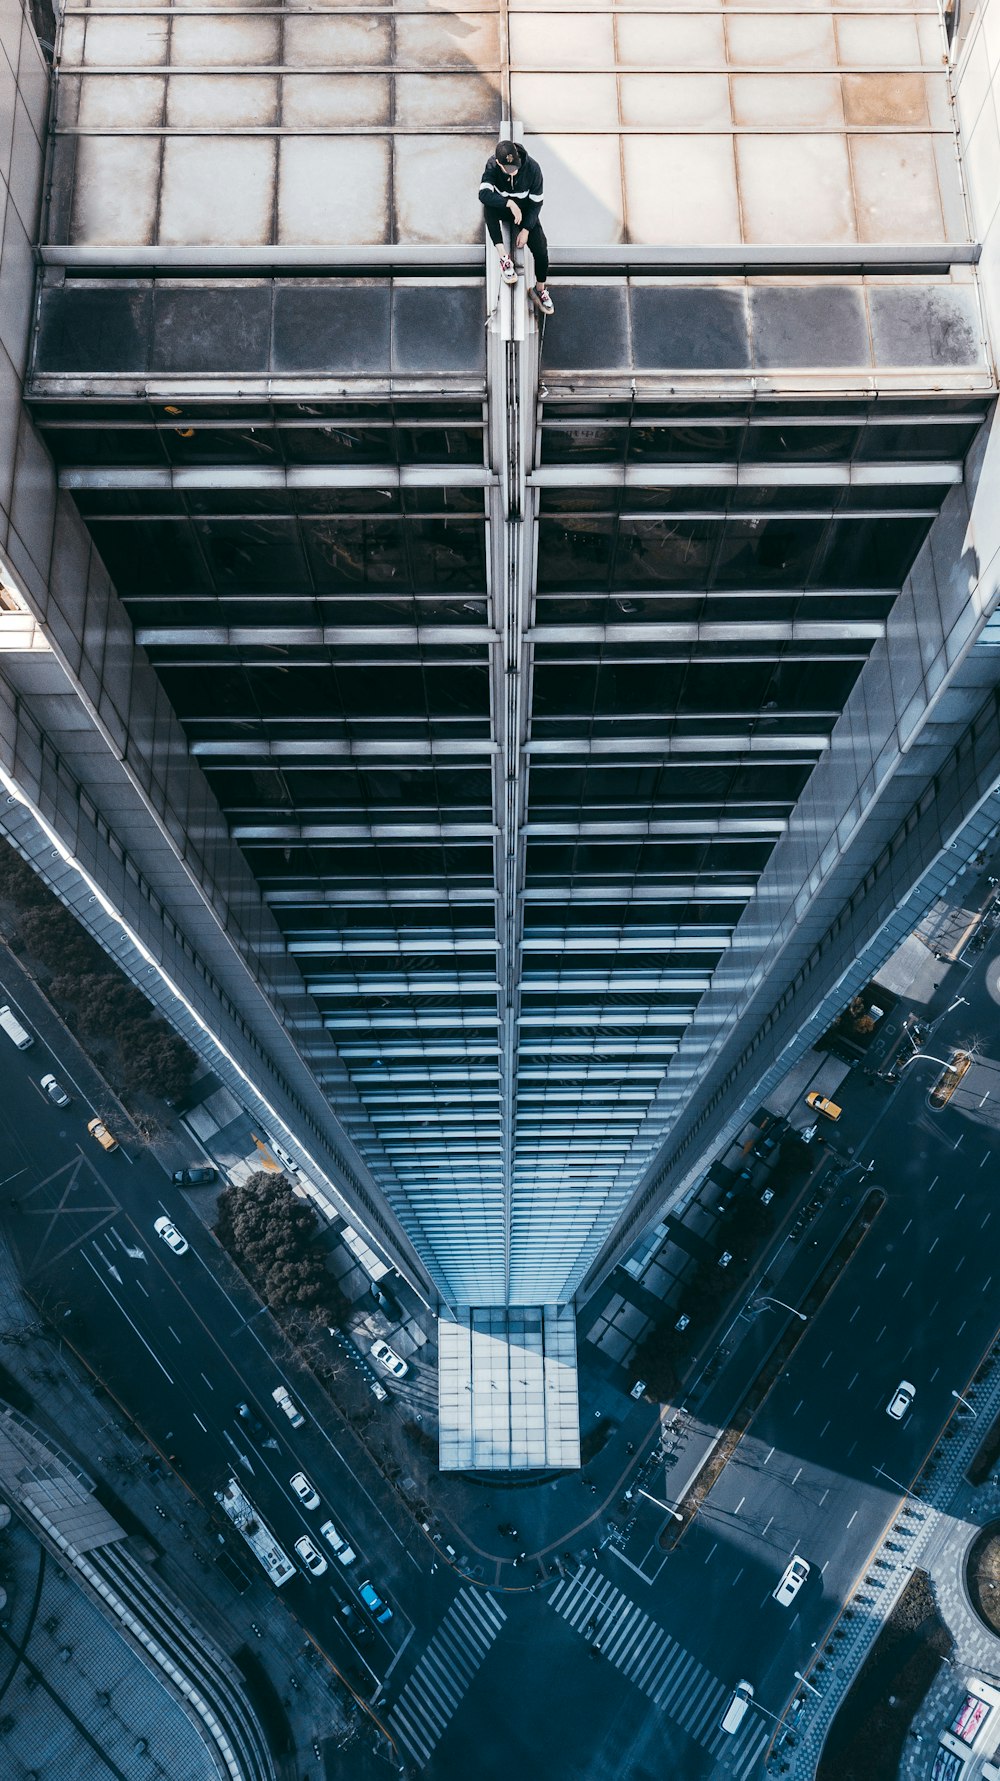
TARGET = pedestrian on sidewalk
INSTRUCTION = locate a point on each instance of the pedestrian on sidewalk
(511, 194)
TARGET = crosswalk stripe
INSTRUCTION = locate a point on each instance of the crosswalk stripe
(711, 1703)
(634, 1646)
(755, 1751)
(436, 1686)
(408, 1734)
(674, 1683)
(441, 1680)
(459, 1656)
(689, 1695)
(644, 1653)
(654, 1674)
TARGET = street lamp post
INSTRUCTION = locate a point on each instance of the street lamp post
(880, 1472)
(766, 1299)
(660, 1505)
(806, 1684)
(965, 1401)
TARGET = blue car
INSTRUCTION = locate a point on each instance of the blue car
(373, 1602)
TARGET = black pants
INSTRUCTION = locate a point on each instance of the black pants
(536, 239)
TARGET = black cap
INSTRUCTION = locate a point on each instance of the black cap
(508, 154)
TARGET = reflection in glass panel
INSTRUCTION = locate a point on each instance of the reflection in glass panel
(338, 445)
(574, 553)
(948, 442)
(447, 553)
(774, 552)
(691, 444)
(367, 552)
(583, 445)
(153, 557)
(790, 443)
(870, 552)
(671, 553)
(188, 444)
(254, 553)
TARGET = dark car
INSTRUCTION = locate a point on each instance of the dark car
(199, 1175)
(253, 1422)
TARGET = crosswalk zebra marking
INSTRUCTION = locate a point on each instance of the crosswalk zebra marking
(427, 1703)
(680, 1686)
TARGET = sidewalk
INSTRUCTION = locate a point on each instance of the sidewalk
(85, 1421)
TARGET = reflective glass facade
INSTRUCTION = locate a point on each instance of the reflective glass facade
(508, 662)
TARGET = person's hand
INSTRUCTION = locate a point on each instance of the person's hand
(515, 209)
(522, 236)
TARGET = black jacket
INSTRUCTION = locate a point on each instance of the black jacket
(523, 185)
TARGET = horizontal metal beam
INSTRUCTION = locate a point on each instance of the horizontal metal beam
(414, 257)
(744, 742)
(321, 749)
(738, 827)
(731, 474)
(363, 832)
(276, 476)
(291, 636)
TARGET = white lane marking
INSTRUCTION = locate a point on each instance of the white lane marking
(987, 1283)
(934, 1307)
(961, 1326)
(198, 1420)
(823, 1498)
(934, 1182)
(769, 1455)
(828, 1359)
(769, 1521)
(854, 1518)
(935, 1374)
(142, 1289)
(986, 1221)
(881, 1271)
(853, 1383)
(738, 1575)
(797, 1477)
(907, 1226)
(854, 1313)
(739, 1505)
(881, 1333)
(208, 1382)
(798, 1406)
(823, 1430)
(906, 1289)
(961, 1196)
(128, 1319)
(715, 1548)
(933, 1246)
(176, 1337)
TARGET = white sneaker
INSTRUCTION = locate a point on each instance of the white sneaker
(541, 297)
(508, 270)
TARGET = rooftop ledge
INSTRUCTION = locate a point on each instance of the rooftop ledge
(422, 260)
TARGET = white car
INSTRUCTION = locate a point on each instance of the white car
(346, 1554)
(389, 1359)
(725, 1258)
(55, 1091)
(314, 1561)
(901, 1401)
(792, 1578)
(682, 1323)
(284, 1157)
(291, 1409)
(171, 1236)
(307, 1493)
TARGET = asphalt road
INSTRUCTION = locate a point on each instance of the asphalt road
(176, 1339)
(512, 1679)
